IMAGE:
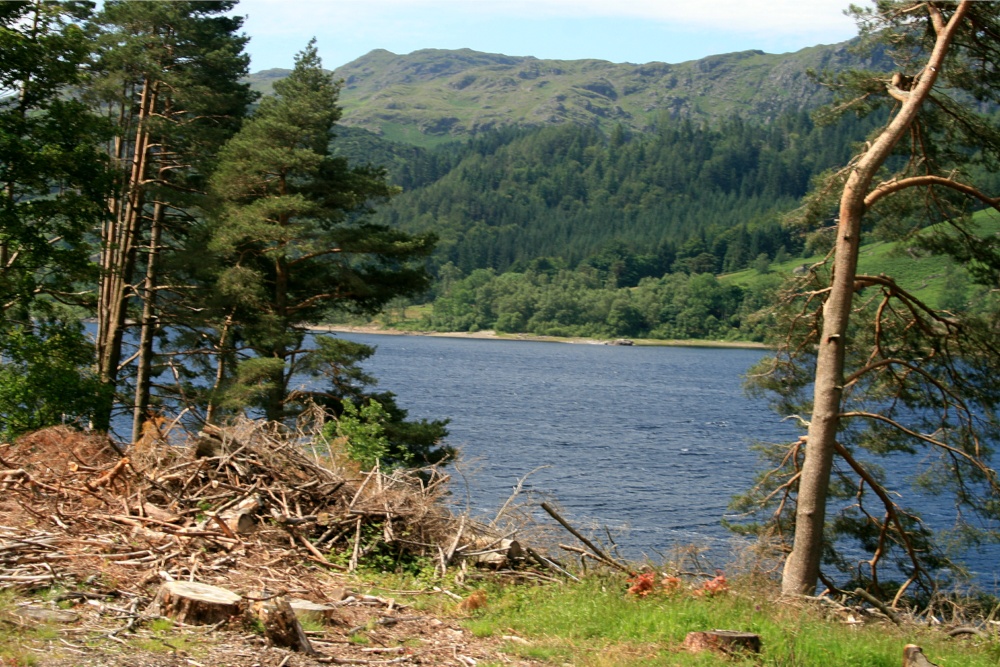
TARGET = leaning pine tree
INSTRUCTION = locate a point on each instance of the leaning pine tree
(871, 370)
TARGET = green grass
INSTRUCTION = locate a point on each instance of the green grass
(18, 637)
(923, 276)
(596, 623)
(411, 134)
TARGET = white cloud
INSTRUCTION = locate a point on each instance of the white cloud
(770, 17)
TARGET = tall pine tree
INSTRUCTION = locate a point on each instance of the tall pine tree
(53, 181)
(168, 77)
(293, 242)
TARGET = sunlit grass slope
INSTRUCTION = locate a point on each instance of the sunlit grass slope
(921, 275)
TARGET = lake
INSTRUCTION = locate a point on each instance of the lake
(655, 440)
(652, 442)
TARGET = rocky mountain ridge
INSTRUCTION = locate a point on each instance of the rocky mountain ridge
(435, 95)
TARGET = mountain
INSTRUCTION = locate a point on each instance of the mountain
(432, 95)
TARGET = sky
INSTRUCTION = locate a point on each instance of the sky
(634, 31)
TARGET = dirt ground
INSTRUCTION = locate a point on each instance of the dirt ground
(418, 638)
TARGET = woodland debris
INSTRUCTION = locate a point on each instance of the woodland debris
(194, 529)
(965, 630)
(45, 615)
(281, 625)
(259, 497)
(604, 558)
(306, 609)
(881, 606)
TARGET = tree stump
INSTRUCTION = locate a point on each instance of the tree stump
(724, 641)
(194, 603)
(913, 656)
(281, 627)
(305, 609)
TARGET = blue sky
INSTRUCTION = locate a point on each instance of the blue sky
(636, 31)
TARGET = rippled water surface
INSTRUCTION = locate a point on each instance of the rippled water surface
(653, 438)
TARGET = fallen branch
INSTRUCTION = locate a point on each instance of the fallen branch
(593, 547)
(881, 606)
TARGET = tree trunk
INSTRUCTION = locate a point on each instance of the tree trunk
(274, 410)
(281, 624)
(221, 369)
(194, 603)
(149, 323)
(118, 261)
(802, 567)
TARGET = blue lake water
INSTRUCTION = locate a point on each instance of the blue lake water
(652, 439)
(652, 442)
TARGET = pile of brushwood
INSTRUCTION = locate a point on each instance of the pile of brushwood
(250, 524)
(230, 504)
(255, 514)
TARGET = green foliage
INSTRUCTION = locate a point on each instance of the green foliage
(509, 197)
(364, 431)
(581, 303)
(290, 240)
(383, 428)
(52, 175)
(45, 377)
(389, 564)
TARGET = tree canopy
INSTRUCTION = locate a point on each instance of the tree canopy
(292, 238)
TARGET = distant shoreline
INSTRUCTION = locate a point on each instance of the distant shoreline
(493, 335)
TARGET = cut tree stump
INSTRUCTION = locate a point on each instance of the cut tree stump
(724, 641)
(913, 656)
(281, 627)
(305, 609)
(194, 603)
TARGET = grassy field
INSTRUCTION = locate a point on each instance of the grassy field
(923, 276)
(598, 623)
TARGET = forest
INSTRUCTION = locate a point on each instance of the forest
(565, 231)
(148, 190)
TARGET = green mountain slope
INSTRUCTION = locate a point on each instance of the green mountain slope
(433, 95)
(506, 198)
(934, 279)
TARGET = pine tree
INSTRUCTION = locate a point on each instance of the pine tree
(293, 240)
(870, 368)
(168, 77)
(52, 174)
(53, 181)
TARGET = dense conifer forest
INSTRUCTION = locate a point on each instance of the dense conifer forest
(543, 230)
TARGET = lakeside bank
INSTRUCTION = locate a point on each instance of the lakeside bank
(489, 334)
